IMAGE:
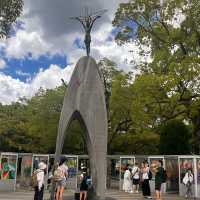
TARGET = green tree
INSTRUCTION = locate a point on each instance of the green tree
(43, 112)
(108, 70)
(175, 138)
(13, 128)
(10, 10)
(175, 61)
(75, 140)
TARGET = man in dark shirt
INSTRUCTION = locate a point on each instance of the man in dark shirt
(159, 180)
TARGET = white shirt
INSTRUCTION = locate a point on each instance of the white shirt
(40, 178)
(127, 185)
(64, 169)
(127, 175)
(188, 178)
(145, 173)
(135, 172)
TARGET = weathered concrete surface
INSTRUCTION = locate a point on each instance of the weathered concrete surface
(114, 195)
(84, 100)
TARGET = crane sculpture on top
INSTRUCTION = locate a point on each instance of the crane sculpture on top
(87, 22)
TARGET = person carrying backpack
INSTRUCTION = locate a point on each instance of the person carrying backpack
(60, 177)
(38, 181)
(160, 178)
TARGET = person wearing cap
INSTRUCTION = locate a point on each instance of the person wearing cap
(39, 189)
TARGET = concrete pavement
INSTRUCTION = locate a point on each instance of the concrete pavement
(116, 195)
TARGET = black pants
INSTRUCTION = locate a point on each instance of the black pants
(146, 188)
(39, 194)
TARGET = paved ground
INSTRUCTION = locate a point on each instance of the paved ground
(117, 195)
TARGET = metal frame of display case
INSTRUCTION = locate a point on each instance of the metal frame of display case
(77, 162)
(172, 157)
(11, 154)
(194, 159)
(197, 194)
(120, 170)
(41, 155)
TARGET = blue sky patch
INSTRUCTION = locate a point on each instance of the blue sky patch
(79, 43)
(21, 68)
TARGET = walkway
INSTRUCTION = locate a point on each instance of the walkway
(116, 195)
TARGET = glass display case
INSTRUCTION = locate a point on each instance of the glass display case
(8, 171)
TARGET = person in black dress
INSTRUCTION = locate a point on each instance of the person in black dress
(83, 187)
(159, 180)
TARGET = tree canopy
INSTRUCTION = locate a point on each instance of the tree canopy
(176, 135)
(10, 10)
(145, 112)
(31, 125)
(168, 85)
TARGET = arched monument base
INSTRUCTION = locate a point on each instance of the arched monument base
(85, 101)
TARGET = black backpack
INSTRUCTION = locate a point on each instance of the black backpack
(150, 175)
(164, 176)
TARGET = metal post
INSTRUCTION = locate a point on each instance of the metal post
(195, 177)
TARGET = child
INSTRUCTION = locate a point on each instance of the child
(83, 186)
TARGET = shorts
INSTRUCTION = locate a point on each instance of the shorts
(158, 186)
(61, 183)
(136, 181)
(84, 188)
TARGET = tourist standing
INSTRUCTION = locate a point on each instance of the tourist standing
(188, 180)
(136, 178)
(39, 175)
(145, 177)
(83, 187)
(127, 185)
(159, 179)
(60, 177)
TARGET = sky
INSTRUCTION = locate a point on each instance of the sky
(46, 45)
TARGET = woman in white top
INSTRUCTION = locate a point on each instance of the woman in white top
(62, 182)
(188, 180)
(145, 180)
(39, 189)
(127, 185)
(136, 178)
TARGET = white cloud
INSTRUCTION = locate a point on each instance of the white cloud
(25, 43)
(50, 78)
(12, 89)
(47, 30)
(2, 64)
